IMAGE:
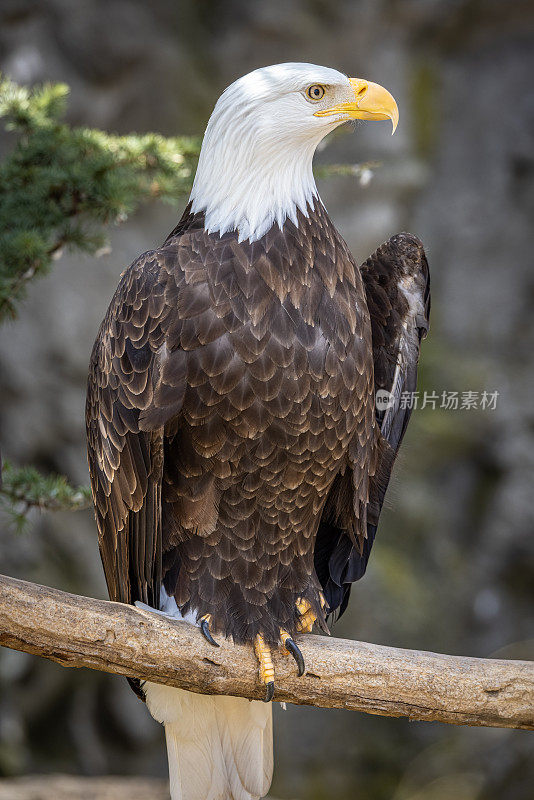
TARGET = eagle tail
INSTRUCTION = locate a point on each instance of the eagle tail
(219, 747)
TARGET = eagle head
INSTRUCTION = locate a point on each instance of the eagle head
(255, 166)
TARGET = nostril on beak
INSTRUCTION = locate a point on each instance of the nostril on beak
(362, 91)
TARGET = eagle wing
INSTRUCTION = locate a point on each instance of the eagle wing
(125, 386)
(397, 287)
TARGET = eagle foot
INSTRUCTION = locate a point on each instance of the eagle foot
(306, 617)
(263, 654)
(205, 628)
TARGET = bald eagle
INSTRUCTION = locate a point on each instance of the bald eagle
(238, 459)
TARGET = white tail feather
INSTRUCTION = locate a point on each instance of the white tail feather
(219, 748)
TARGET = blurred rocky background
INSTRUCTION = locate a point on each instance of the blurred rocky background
(453, 567)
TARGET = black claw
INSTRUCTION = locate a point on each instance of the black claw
(292, 648)
(205, 627)
(269, 692)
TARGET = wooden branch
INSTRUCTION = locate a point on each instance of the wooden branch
(81, 632)
(72, 787)
(77, 787)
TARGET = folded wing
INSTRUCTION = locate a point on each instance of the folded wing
(125, 454)
(397, 287)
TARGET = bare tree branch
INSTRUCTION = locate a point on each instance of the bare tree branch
(73, 787)
(81, 632)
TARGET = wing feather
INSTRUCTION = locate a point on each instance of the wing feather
(397, 285)
(125, 461)
(397, 288)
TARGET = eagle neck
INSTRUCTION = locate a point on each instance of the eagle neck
(247, 183)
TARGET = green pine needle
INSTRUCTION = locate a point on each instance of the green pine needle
(25, 488)
(61, 186)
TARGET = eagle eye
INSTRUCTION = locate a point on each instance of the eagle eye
(315, 91)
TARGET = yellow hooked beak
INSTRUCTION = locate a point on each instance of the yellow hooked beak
(371, 101)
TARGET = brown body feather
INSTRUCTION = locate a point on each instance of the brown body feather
(231, 417)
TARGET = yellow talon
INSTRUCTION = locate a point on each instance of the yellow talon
(302, 605)
(263, 654)
(307, 618)
(284, 636)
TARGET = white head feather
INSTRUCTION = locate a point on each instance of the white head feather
(255, 166)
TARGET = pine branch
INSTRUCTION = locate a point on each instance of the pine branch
(62, 186)
(25, 488)
(364, 171)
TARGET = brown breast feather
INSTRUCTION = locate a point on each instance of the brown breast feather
(230, 383)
